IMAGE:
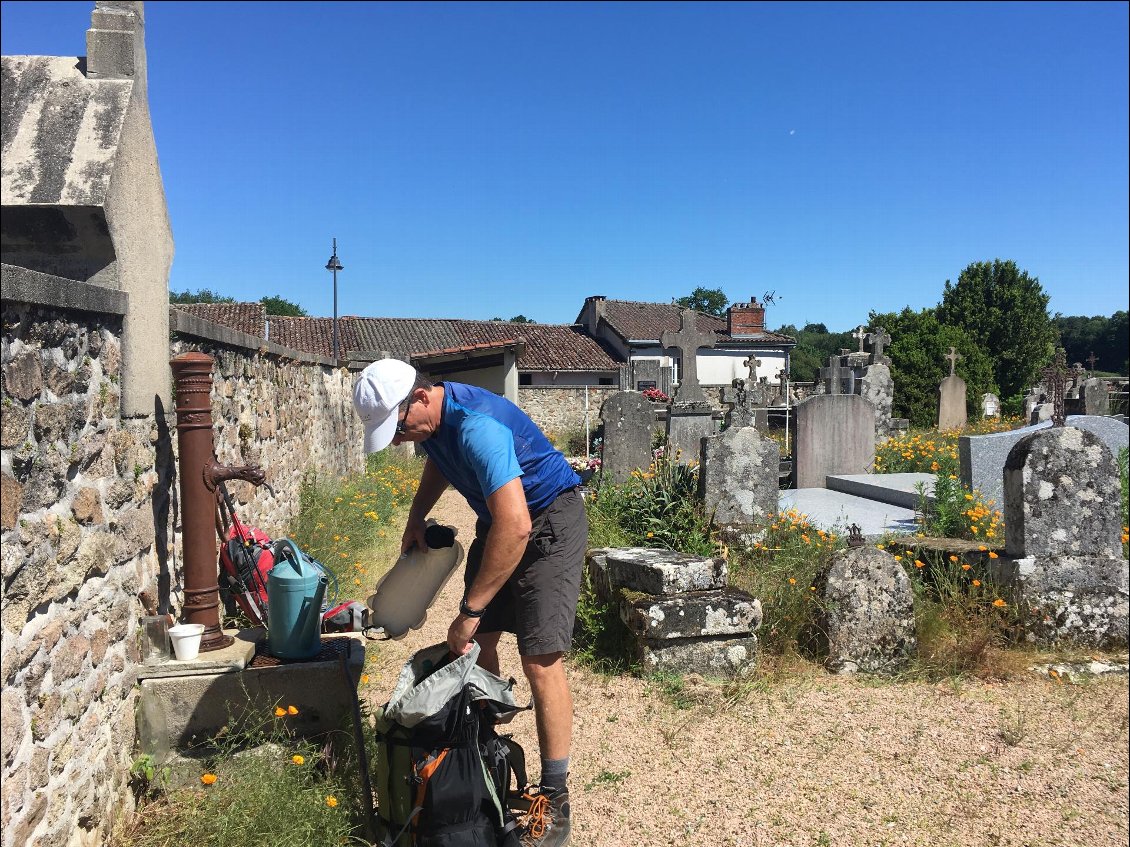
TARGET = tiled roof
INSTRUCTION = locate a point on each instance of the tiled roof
(313, 335)
(548, 346)
(635, 321)
(242, 317)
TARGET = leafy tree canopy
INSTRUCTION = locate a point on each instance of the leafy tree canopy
(517, 319)
(1107, 338)
(918, 349)
(1004, 311)
(281, 306)
(814, 345)
(712, 301)
(204, 295)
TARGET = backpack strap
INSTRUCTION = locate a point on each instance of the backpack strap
(391, 840)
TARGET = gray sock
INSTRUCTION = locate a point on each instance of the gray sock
(554, 773)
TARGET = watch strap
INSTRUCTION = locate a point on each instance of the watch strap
(467, 611)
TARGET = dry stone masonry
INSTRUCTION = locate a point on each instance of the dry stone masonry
(681, 613)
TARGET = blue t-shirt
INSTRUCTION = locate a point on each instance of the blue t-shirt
(484, 441)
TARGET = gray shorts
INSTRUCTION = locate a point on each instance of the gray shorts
(539, 601)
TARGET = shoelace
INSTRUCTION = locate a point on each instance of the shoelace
(534, 820)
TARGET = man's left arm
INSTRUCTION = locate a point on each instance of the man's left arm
(505, 545)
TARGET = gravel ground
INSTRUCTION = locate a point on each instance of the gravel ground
(799, 757)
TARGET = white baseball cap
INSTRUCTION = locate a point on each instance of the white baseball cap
(379, 390)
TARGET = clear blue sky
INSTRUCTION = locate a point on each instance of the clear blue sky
(482, 160)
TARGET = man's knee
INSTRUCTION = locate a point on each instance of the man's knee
(543, 668)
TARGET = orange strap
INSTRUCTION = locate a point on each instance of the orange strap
(534, 819)
(425, 773)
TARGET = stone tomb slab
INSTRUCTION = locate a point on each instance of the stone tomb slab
(897, 489)
(708, 656)
(836, 511)
(694, 615)
(661, 572)
(982, 457)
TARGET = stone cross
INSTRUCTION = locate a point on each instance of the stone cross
(688, 340)
(1056, 376)
(833, 375)
(1091, 361)
(752, 363)
(953, 356)
(879, 339)
(861, 334)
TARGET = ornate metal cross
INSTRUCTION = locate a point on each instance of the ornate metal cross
(953, 356)
(1056, 376)
(687, 341)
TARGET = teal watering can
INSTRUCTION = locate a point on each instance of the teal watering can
(296, 586)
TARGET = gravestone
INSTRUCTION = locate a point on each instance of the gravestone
(688, 341)
(1041, 413)
(837, 378)
(878, 388)
(1096, 397)
(878, 338)
(628, 419)
(738, 477)
(1031, 400)
(686, 427)
(835, 434)
(951, 397)
(682, 614)
(747, 404)
(868, 612)
(1062, 504)
(982, 457)
(990, 405)
(645, 374)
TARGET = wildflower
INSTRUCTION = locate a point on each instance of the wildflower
(976, 583)
(918, 563)
(291, 710)
(298, 760)
(279, 711)
(898, 558)
(792, 580)
(364, 679)
(208, 778)
(965, 566)
(953, 558)
(993, 555)
(982, 548)
(331, 801)
(999, 603)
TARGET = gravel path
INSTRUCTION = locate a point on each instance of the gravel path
(799, 757)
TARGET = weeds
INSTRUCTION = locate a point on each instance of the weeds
(931, 451)
(957, 512)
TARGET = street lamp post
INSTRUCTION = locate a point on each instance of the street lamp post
(334, 265)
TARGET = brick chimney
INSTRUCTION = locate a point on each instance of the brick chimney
(746, 318)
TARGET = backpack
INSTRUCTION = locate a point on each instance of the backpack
(443, 774)
(245, 560)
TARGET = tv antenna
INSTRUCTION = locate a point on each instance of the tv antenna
(769, 297)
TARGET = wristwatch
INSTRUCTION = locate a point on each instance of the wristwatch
(467, 611)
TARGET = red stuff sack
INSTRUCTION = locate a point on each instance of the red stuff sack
(245, 560)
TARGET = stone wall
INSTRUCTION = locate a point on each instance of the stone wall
(560, 410)
(90, 519)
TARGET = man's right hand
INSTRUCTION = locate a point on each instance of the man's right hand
(413, 535)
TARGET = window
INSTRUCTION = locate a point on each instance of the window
(525, 379)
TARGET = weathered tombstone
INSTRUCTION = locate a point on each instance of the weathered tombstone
(835, 434)
(738, 477)
(990, 405)
(679, 608)
(868, 612)
(982, 457)
(628, 419)
(747, 404)
(878, 388)
(837, 378)
(1041, 413)
(689, 418)
(1032, 399)
(951, 397)
(645, 374)
(878, 338)
(1063, 538)
(688, 341)
(1096, 397)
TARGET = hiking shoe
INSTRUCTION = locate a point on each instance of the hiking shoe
(546, 823)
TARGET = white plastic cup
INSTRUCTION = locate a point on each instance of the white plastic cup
(186, 640)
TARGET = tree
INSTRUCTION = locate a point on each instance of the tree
(711, 301)
(517, 319)
(814, 345)
(204, 295)
(1105, 337)
(1005, 312)
(281, 306)
(919, 344)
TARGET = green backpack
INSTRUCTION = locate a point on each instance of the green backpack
(443, 774)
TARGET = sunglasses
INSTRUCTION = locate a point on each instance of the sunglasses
(403, 418)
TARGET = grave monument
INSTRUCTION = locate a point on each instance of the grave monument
(951, 397)
(690, 415)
